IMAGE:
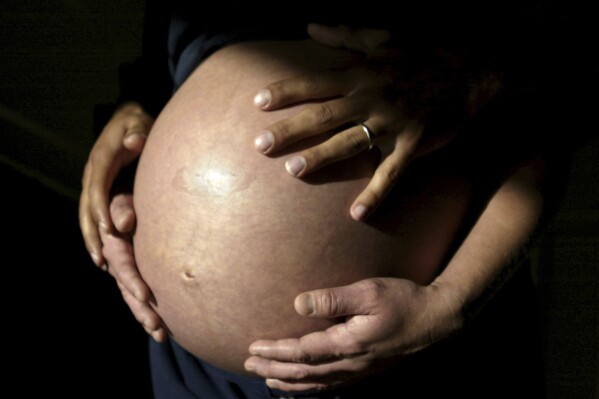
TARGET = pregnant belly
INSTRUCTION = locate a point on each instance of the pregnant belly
(226, 238)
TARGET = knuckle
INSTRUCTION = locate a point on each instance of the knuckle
(374, 290)
(277, 90)
(300, 356)
(389, 175)
(323, 114)
(320, 387)
(282, 131)
(299, 373)
(311, 83)
(316, 157)
(353, 349)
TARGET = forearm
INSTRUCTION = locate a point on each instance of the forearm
(497, 243)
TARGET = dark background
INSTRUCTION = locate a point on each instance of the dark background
(66, 330)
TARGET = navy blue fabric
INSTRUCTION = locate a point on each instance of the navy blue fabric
(178, 374)
(187, 50)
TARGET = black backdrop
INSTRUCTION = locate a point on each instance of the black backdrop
(65, 328)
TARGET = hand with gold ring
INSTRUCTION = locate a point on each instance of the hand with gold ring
(385, 97)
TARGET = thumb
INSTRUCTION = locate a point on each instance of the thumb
(362, 40)
(348, 300)
(135, 139)
(122, 212)
(137, 131)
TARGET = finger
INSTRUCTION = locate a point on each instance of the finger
(88, 227)
(362, 40)
(294, 387)
(159, 335)
(307, 87)
(341, 146)
(91, 238)
(105, 166)
(122, 213)
(145, 315)
(297, 372)
(119, 253)
(136, 134)
(312, 120)
(383, 180)
(142, 312)
(337, 342)
(134, 142)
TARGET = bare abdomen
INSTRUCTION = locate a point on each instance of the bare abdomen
(226, 238)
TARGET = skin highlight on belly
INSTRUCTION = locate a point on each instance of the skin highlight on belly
(226, 238)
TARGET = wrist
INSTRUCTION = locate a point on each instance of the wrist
(449, 307)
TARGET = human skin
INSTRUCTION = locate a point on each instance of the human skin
(119, 144)
(356, 89)
(226, 240)
(387, 318)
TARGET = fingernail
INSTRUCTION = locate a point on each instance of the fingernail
(156, 336)
(358, 212)
(305, 304)
(265, 141)
(254, 350)
(262, 99)
(249, 366)
(271, 383)
(295, 165)
(133, 137)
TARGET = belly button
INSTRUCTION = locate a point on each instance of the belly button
(188, 275)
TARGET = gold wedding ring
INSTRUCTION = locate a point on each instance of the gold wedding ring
(369, 135)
